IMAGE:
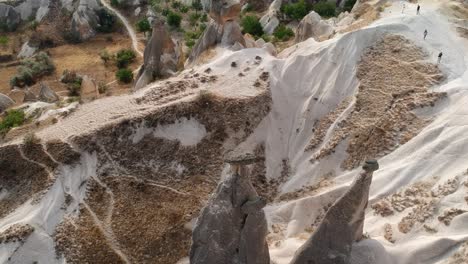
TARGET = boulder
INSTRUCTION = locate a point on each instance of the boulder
(270, 20)
(312, 26)
(249, 41)
(36, 9)
(232, 228)
(89, 89)
(5, 102)
(260, 42)
(270, 48)
(21, 96)
(342, 225)
(161, 56)
(47, 95)
(9, 17)
(26, 51)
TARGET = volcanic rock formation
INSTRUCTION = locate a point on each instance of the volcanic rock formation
(312, 26)
(222, 29)
(161, 56)
(232, 228)
(342, 225)
(5, 102)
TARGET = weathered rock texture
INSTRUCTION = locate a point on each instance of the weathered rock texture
(312, 26)
(161, 56)
(232, 228)
(9, 17)
(270, 20)
(85, 20)
(341, 226)
(47, 95)
(222, 29)
(5, 102)
(394, 81)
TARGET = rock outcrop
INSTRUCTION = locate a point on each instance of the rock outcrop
(85, 20)
(47, 95)
(9, 17)
(342, 225)
(270, 20)
(161, 57)
(26, 51)
(222, 29)
(5, 102)
(232, 227)
(89, 89)
(312, 26)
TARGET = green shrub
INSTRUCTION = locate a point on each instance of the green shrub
(124, 75)
(325, 9)
(184, 9)
(13, 118)
(193, 18)
(202, 27)
(251, 25)
(204, 18)
(190, 43)
(283, 33)
(124, 58)
(115, 3)
(106, 21)
(105, 56)
(143, 25)
(348, 5)
(71, 37)
(296, 10)
(31, 69)
(4, 41)
(33, 25)
(174, 19)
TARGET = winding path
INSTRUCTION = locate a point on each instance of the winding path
(127, 25)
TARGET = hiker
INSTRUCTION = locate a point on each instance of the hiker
(439, 57)
(425, 34)
(417, 10)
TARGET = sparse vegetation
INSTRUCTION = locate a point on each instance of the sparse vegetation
(251, 25)
(124, 58)
(174, 19)
(124, 75)
(73, 82)
(4, 41)
(13, 118)
(31, 69)
(31, 139)
(105, 56)
(283, 33)
(102, 88)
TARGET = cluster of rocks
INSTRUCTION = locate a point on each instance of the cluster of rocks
(232, 227)
(84, 16)
(19, 96)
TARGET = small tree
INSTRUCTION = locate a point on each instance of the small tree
(197, 5)
(124, 75)
(13, 118)
(124, 58)
(105, 56)
(296, 10)
(251, 25)
(143, 25)
(174, 19)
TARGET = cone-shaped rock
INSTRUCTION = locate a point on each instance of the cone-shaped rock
(232, 227)
(47, 95)
(342, 225)
(5, 102)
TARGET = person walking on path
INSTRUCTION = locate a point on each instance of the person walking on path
(417, 9)
(439, 57)
(425, 34)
